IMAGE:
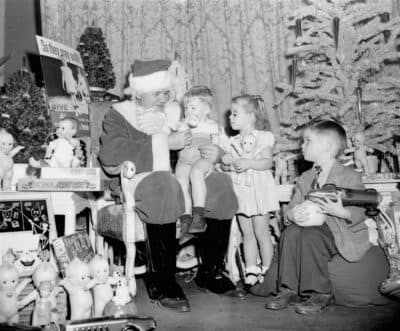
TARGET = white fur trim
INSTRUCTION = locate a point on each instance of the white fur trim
(157, 81)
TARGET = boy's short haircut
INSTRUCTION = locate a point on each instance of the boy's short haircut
(202, 92)
(332, 130)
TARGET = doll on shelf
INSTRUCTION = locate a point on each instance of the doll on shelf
(60, 153)
(77, 282)
(281, 161)
(102, 290)
(10, 289)
(360, 151)
(7, 153)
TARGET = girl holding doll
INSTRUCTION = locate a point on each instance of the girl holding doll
(257, 194)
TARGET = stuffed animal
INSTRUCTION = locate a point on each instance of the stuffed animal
(10, 289)
(7, 152)
(102, 291)
(77, 282)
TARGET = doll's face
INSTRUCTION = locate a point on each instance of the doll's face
(80, 276)
(45, 289)
(66, 129)
(8, 279)
(358, 139)
(6, 142)
(248, 143)
(100, 271)
(196, 111)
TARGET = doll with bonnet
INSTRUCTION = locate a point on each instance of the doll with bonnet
(7, 152)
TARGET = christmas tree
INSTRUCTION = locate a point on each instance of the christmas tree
(25, 115)
(342, 68)
(96, 59)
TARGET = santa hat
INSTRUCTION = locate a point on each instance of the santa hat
(150, 76)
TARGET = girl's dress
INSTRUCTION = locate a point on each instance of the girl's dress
(258, 194)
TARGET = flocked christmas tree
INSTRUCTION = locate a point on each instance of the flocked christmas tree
(96, 58)
(25, 114)
(342, 68)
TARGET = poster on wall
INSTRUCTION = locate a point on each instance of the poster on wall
(65, 83)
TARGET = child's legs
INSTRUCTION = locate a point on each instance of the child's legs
(263, 236)
(249, 240)
(182, 172)
(200, 170)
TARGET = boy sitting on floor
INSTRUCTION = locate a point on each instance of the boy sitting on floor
(306, 249)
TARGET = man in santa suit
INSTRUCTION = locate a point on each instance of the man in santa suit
(136, 130)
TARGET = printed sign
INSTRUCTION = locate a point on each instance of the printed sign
(65, 82)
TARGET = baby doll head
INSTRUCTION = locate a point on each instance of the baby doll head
(248, 143)
(6, 141)
(99, 268)
(44, 272)
(197, 102)
(78, 273)
(67, 128)
(8, 278)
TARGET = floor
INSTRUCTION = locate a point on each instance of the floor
(214, 312)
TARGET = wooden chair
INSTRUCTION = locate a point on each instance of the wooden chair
(110, 219)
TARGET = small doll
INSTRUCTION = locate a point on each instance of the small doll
(102, 291)
(60, 152)
(77, 282)
(44, 295)
(10, 289)
(7, 152)
(360, 151)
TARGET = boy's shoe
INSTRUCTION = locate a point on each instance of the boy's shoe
(198, 225)
(316, 303)
(284, 298)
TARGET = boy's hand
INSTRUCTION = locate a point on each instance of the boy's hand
(179, 140)
(241, 165)
(227, 159)
(211, 152)
(334, 208)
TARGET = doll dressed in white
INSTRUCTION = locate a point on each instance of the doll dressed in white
(77, 282)
(68, 82)
(7, 152)
(102, 290)
(10, 289)
(60, 152)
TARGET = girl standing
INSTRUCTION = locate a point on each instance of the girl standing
(253, 182)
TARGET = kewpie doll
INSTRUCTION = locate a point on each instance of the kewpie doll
(60, 152)
(77, 283)
(44, 295)
(7, 152)
(102, 291)
(10, 289)
(360, 151)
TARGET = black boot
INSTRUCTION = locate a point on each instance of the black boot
(212, 247)
(161, 283)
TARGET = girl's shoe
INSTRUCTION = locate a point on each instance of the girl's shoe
(252, 274)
